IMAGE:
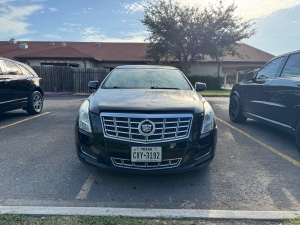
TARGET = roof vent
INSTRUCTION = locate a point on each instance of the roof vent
(23, 46)
(12, 41)
(63, 44)
(98, 44)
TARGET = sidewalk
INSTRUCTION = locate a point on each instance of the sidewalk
(58, 93)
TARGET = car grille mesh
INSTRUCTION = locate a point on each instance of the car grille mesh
(165, 164)
(126, 126)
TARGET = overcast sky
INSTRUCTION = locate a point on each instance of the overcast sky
(277, 21)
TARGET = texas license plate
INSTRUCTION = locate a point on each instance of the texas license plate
(146, 154)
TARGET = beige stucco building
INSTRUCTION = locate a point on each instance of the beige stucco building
(112, 54)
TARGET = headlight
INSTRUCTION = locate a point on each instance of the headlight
(208, 121)
(84, 119)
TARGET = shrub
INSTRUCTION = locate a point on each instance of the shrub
(212, 83)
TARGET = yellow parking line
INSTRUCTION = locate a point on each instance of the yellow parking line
(21, 121)
(294, 162)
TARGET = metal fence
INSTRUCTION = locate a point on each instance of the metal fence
(68, 79)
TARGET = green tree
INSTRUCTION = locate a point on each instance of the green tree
(190, 33)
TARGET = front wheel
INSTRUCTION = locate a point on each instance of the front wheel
(236, 110)
(35, 103)
(297, 136)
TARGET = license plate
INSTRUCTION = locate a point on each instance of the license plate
(146, 154)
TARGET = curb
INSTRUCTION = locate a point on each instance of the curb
(58, 93)
(215, 96)
(65, 94)
(82, 94)
(151, 213)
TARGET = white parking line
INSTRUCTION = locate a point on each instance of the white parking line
(87, 186)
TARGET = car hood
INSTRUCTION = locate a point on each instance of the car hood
(145, 100)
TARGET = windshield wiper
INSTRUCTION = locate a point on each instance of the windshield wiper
(155, 87)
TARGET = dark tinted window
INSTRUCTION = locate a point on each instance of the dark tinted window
(30, 70)
(24, 70)
(292, 66)
(1, 68)
(12, 68)
(269, 70)
(146, 78)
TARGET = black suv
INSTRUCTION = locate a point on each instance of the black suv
(272, 95)
(20, 87)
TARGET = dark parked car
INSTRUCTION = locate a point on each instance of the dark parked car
(146, 119)
(20, 87)
(271, 95)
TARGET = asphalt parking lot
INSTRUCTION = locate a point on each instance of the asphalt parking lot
(255, 167)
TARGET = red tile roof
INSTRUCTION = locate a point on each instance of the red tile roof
(61, 52)
(250, 54)
(107, 51)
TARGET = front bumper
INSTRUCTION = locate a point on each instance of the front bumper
(114, 155)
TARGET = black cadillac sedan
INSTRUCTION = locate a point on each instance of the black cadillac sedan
(146, 119)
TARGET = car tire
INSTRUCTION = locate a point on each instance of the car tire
(236, 110)
(35, 103)
(297, 136)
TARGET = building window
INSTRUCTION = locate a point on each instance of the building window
(59, 63)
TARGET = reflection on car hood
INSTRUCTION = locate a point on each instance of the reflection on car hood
(145, 100)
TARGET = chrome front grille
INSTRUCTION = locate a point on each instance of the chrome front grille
(166, 127)
(165, 164)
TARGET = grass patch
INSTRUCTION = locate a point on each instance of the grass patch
(296, 221)
(73, 220)
(89, 220)
(96, 220)
(215, 92)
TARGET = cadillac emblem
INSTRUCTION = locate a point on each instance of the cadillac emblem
(146, 127)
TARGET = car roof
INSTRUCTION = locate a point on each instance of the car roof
(23, 64)
(288, 53)
(6, 59)
(285, 54)
(146, 67)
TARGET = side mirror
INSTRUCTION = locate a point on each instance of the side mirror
(93, 85)
(200, 86)
(249, 76)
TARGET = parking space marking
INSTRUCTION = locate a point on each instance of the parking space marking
(294, 162)
(21, 121)
(87, 186)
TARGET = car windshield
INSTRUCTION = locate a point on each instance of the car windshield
(147, 79)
